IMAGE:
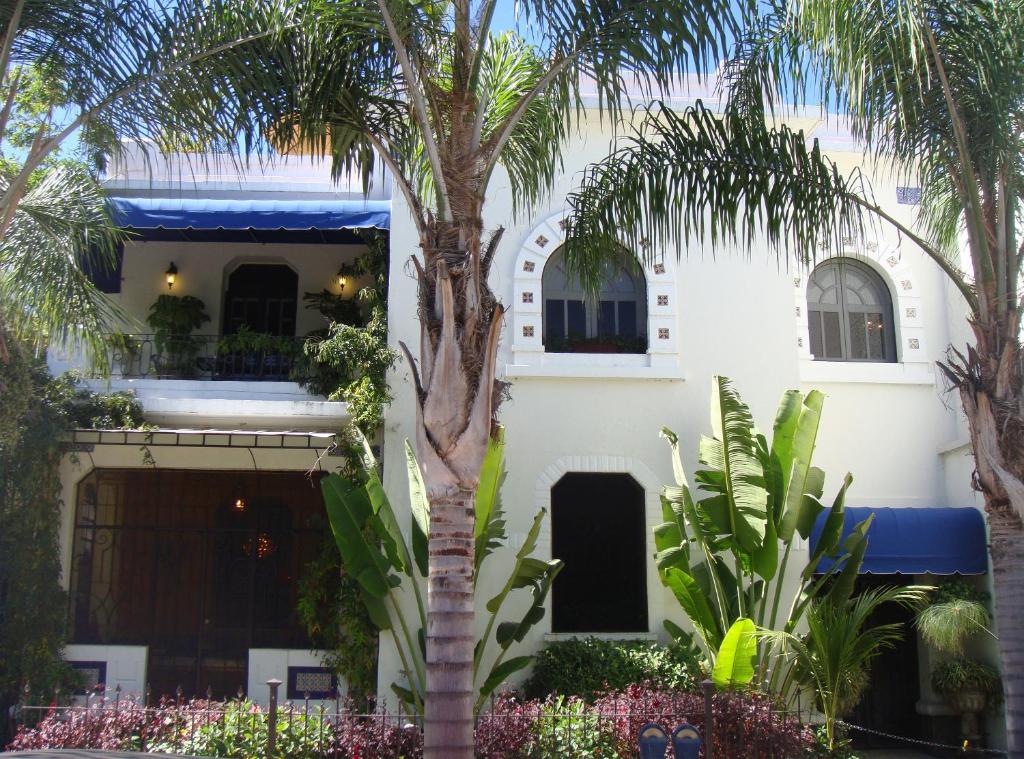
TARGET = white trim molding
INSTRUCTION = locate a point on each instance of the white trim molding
(661, 361)
(912, 366)
(651, 485)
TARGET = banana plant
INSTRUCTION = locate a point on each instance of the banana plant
(389, 569)
(725, 553)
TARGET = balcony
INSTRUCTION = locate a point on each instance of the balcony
(240, 358)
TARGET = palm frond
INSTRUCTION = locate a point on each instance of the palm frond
(947, 626)
(60, 228)
(697, 176)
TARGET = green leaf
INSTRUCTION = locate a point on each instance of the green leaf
(501, 672)
(737, 655)
(696, 605)
(831, 531)
(349, 511)
(420, 506)
(733, 454)
(800, 477)
(542, 574)
(856, 545)
(491, 476)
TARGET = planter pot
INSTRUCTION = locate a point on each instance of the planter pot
(968, 701)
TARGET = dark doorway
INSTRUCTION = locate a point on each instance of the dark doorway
(889, 703)
(598, 530)
(199, 566)
(261, 297)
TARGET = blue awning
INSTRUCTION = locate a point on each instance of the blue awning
(219, 213)
(940, 541)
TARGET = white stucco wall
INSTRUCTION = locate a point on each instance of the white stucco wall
(733, 314)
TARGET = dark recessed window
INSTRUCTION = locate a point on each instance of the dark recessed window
(612, 321)
(849, 313)
(262, 298)
(598, 530)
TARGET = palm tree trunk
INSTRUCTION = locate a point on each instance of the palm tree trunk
(995, 429)
(457, 399)
(450, 616)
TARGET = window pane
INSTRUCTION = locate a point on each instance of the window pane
(832, 334)
(627, 318)
(554, 319)
(858, 336)
(577, 319)
(875, 337)
(814, 328)
(606, 318)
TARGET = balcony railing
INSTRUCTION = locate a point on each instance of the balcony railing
(246, 357)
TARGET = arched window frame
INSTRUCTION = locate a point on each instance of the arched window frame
(660, 362)
(591, 303)
(843, 267)
(912, 365)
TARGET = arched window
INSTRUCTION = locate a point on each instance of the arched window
(614, 321)
(261, 297)
(849, 313)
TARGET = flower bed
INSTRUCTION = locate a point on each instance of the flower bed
(745, 725)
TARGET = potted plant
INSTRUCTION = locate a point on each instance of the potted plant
(959, 613)
(173, 318)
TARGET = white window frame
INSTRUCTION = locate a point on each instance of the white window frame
(661, 361)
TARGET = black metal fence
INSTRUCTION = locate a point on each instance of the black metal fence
(308, 729)
(251, 357)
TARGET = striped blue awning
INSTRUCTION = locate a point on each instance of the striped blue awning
(939, 541)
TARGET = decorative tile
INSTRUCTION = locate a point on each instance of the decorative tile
(799, 342)
(796, 281)
(563, 223)
(908, 196)
(529, 266)
(911, 313)
(662, 300)
(541, 241)
(892, 260)
(798, 310)
(528, 331)
(645, 243)
(872, 246)
(663, 333)
(659, 268)
(311, 682)
(906, 284)
(913, 343)
(849, 240)
(527, 297)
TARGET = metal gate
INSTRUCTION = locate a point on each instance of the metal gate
(198, 566)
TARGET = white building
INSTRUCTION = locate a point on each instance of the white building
(166, 583)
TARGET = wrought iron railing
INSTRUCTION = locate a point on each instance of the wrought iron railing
(247, 356)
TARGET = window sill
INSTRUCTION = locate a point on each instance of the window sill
(586, 370)
(553, 637)
(839, 372)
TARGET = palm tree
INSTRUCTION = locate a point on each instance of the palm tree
(834, 656)
(428, 89)
(935, 91)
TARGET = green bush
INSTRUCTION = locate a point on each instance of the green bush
(585, 666)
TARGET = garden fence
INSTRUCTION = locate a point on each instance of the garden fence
(307, 729)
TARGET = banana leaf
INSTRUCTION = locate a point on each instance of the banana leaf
(420, 506)
(856, 545)
(696, 604)
(831, 531)
(349, 511)
(501, 673)
(737, 655)
(800, 479)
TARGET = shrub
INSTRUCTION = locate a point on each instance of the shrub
(746, 724)
(585, 666)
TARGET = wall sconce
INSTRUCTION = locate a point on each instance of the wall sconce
(171, 274)
(240, 503)
(341, 279)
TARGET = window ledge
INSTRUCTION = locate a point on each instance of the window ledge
(908, 373)
(552, 637)
(592, 371)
